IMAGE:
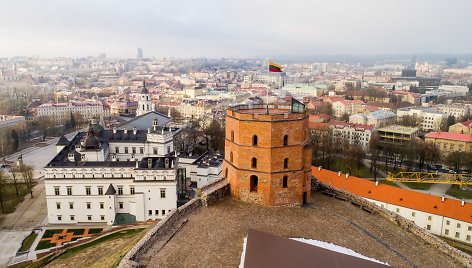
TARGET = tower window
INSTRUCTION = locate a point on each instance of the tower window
(285, 182)
(226, 172)
(231, 157)
(254, 140)
(254, 180)
(232, 135)
(286, 163)
(285, 140)
(254, 162)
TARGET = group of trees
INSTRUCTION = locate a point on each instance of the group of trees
(460, 160)
(415, 154)
(20, 174)
(200, 132)
(416, 151)
(329, 149)
(9, 141)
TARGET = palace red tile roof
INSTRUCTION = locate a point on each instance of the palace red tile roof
(450, 208)
(450, 136)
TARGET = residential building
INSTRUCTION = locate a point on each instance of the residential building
(445, 217)
(193, 111)
(12, 121)
(396, 134)
(464, 127)
(267, 155)
(459, 111)
(429, 118)
(355, 134)
(303, 89)
(448, 142)
(349, 107)
(62, 111)
(376, 119)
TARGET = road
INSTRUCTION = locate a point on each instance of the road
(32, 212)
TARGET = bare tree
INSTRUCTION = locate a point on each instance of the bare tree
(26, 172)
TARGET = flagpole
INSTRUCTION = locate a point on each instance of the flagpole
(267, 93)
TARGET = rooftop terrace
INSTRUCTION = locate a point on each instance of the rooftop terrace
(213, 236)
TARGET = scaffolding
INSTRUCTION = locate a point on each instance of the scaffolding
(428, 177)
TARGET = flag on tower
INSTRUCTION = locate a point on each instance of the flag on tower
(274, 68)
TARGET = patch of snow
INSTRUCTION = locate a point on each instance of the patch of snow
(336, 248)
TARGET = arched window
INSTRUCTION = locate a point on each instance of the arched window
(285, 182)
(231, 157)
(254, 180)
(286, 163)
(232, 135)
(254, 140)
(254, 162)
(285, 140)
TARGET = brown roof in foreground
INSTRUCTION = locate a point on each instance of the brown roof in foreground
(266, 250)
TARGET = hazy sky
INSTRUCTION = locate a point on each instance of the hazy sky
(237, 28)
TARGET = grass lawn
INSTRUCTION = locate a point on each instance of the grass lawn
(345, 165)
(95, 230)
(418, 185)
(27, 242)
(10, 200)
(44, 244)
(50, 232)
(76, 231)
(459, 193)
(106, 251)
(391, 183)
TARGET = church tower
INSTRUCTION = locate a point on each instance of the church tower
(145, 104)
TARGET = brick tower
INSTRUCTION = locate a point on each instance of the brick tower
(267, 154)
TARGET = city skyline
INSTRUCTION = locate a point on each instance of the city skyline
(241, 29)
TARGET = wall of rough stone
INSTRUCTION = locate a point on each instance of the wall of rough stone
(408, 225)
(210, 195)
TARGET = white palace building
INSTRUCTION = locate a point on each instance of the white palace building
(127, 174)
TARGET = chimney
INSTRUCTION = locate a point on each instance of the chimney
(149, 130)
(347, 175)
(319, 168)
(443, 198)
(135, 131)
(137, 163)
(125, 130)
(339, 173)
(166, 163)
(114, 130)
(462, 202)
(376, 183)
(149, 163)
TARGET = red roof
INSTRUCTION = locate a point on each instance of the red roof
(396, 196)
(467, 123)
(450, 136)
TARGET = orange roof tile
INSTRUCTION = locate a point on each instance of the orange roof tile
(396, 196)
(450, 136)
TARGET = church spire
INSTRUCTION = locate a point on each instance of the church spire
(144, 89)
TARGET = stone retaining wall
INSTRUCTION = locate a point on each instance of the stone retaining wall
(208, 197)
(408, 225)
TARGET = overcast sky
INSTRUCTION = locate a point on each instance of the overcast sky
(237, 28)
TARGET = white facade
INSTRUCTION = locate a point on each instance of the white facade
(62, 111)
(435, 224)
(430, 118)
(347, 106)
(193, 111)
(79, 195)
(145, 104)
(376, 119)
(355, 134)
(456, 110)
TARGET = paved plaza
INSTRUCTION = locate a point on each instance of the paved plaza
(10, 242)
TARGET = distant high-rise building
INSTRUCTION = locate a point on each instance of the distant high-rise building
(140, 53)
